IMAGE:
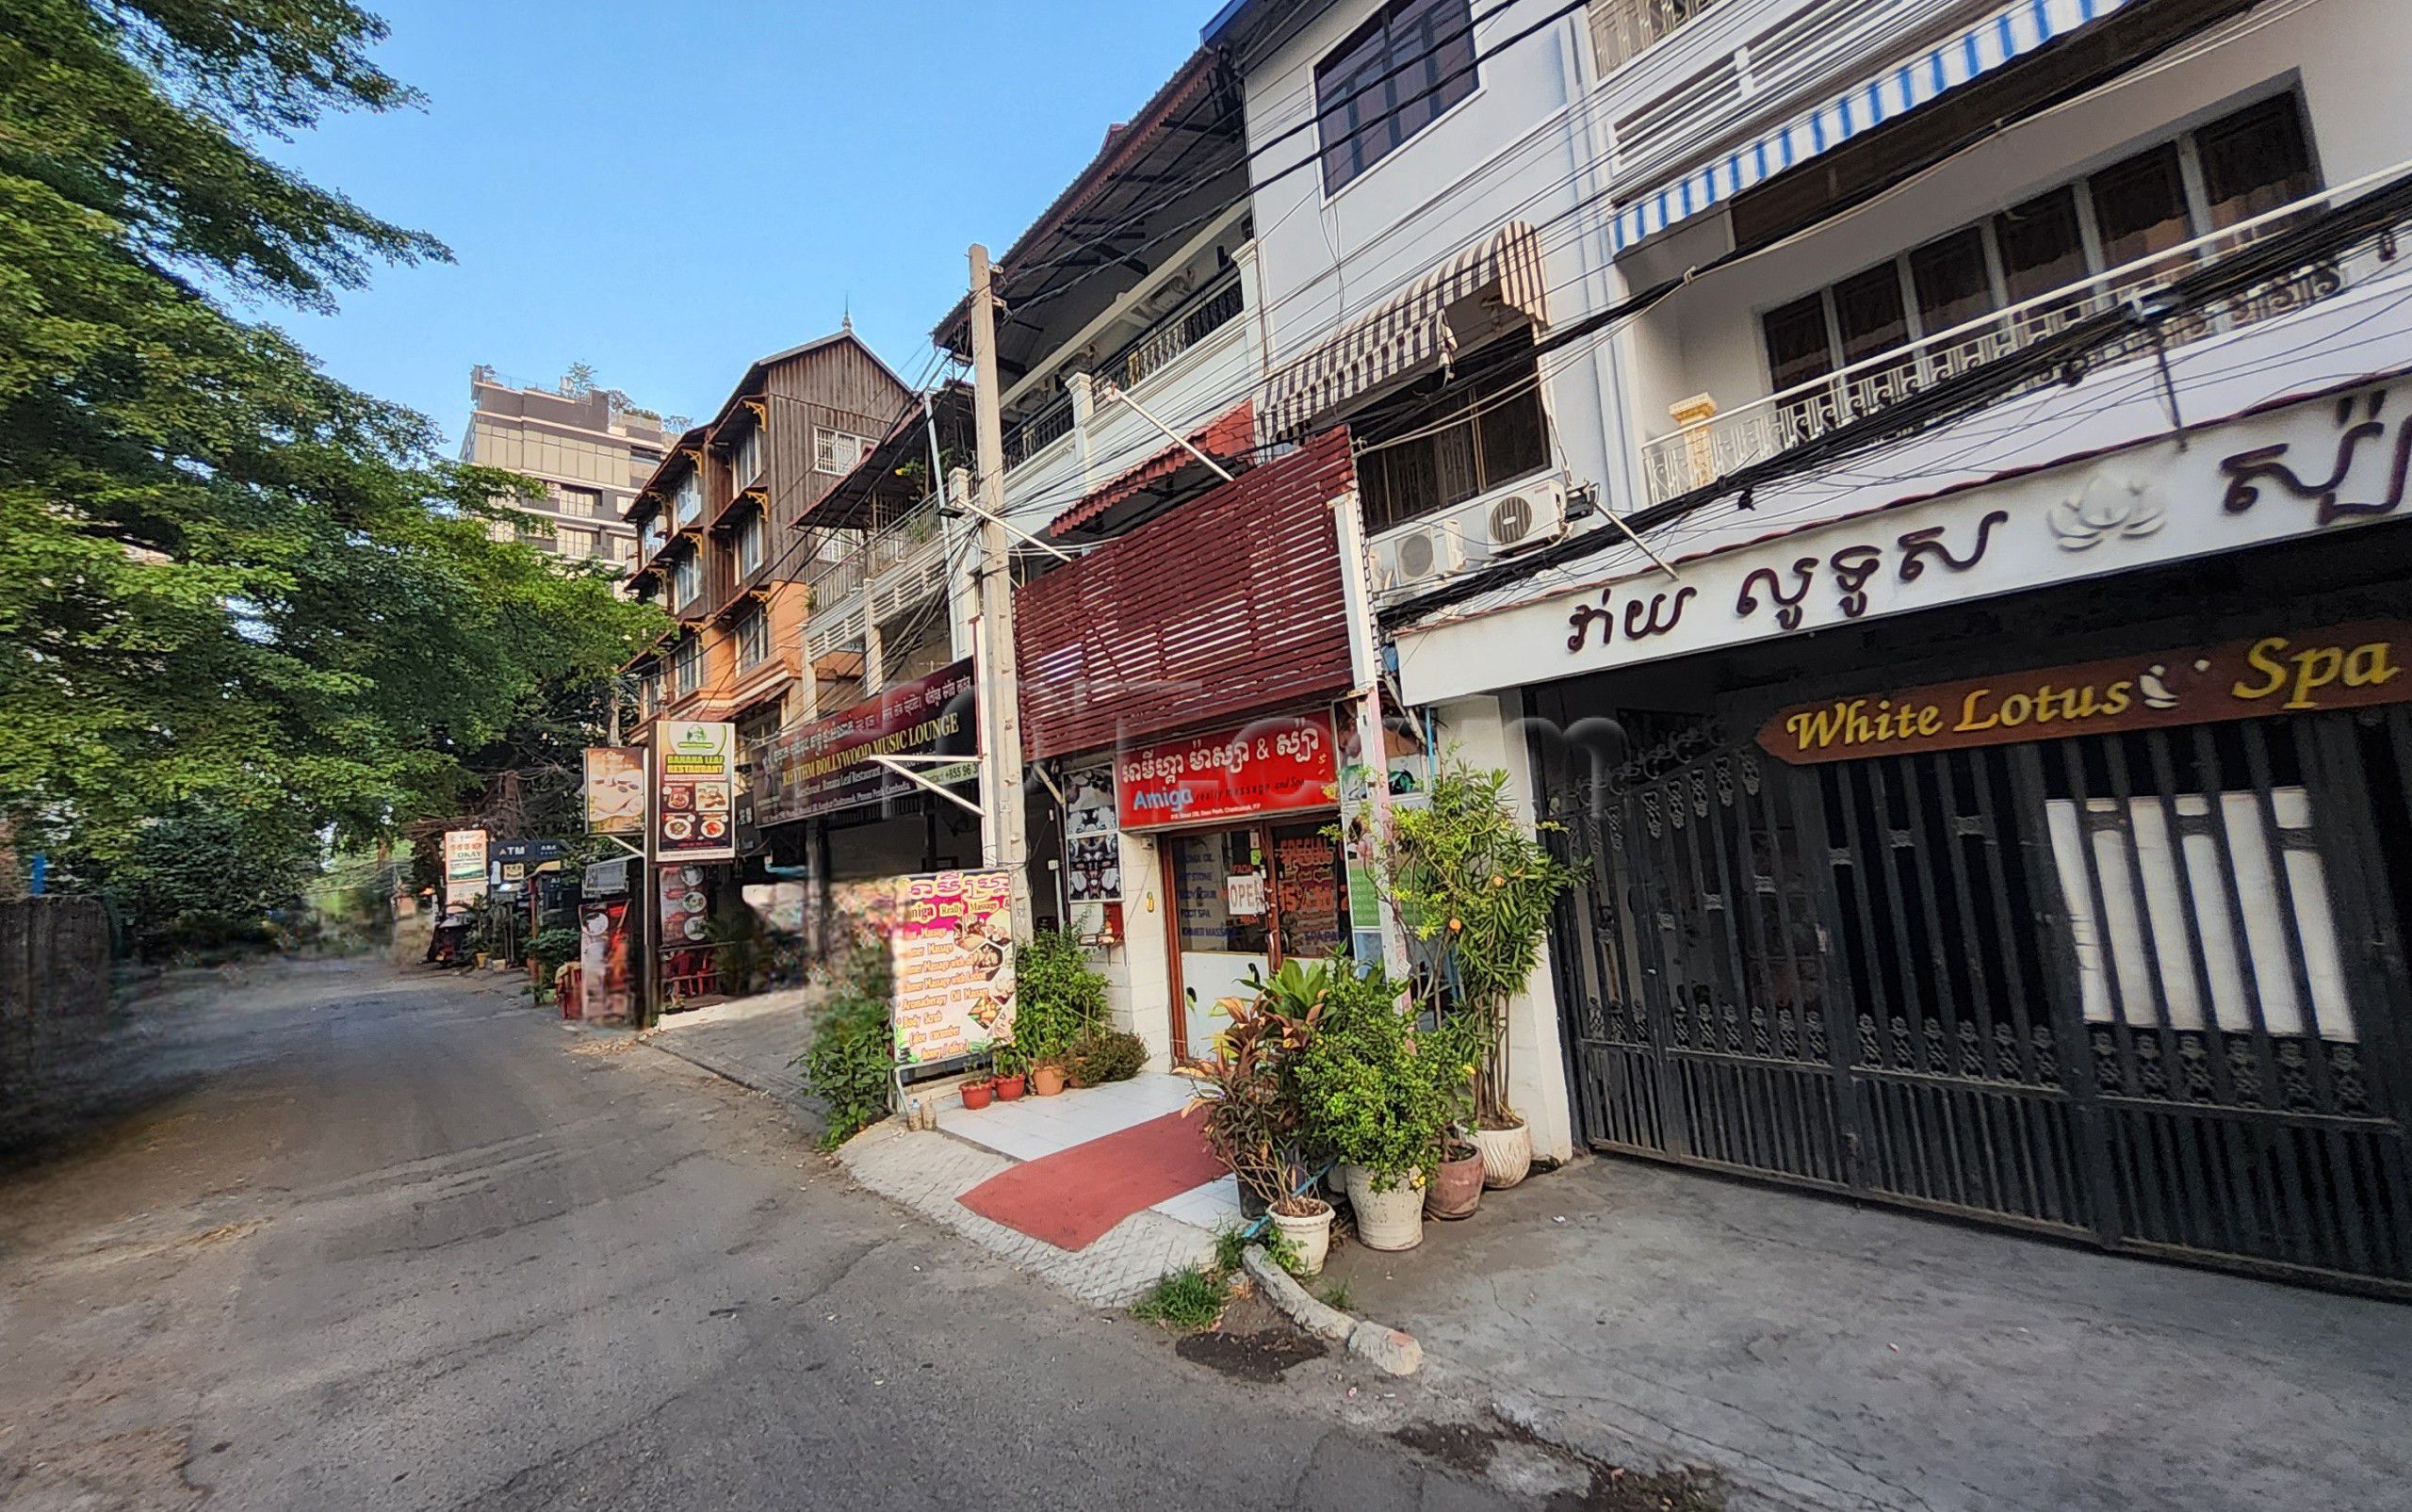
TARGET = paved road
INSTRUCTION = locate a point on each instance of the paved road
(380, 1241)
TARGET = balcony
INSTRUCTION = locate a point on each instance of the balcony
(1622, 30)
(889, 571)
(2170, 299)
(1138, 361)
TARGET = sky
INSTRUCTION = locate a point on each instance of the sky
(667, 191)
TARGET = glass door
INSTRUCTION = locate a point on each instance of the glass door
(1223, 926)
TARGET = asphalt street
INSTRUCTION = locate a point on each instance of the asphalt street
(356, 1239)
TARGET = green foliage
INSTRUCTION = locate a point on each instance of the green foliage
(1249, 1098)
(1475, 879)
(227, 581)
(553, 949)
(1104, 1056)
(1284, 1251)
(205, 877)
(1057, 998)
(1230, 1247)
(1186, 1299)
(1336, 1295)
(852, 1057)
(1372, 1090)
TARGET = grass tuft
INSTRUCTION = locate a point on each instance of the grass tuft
(1190, 1298)
(1336, 1295)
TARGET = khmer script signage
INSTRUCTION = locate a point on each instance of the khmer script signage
(2314, 467)
(2349, 666)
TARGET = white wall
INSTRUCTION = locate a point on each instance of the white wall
(1706, 339)
(1483, 733)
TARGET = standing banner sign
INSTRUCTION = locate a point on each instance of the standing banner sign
(695, 791)
(615, 790)
(952, 940)
(465, 866)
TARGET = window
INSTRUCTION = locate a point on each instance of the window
(649, 690)
(749, 545)
(1413, 61)
(688, 505)
(577, 541)
(582, 502)
(2239, 166)
(1622, 29)
(655, 534)
(837, 451)
(686, 579)
(1442, 442)
(687, 667)
(753, 637)
(745, 463)
(623, 548)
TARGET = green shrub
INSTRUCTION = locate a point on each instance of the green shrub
(1373, 1090)
(1191, 1298)
(1104, 1056)
(853, 1052)
(1057, 998)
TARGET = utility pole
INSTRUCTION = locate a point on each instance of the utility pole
(1004, 839)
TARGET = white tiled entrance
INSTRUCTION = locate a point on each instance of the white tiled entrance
(1035, 1127)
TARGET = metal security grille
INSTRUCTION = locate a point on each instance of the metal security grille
(2146, 989)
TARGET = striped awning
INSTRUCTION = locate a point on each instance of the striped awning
(2001, 37)
(1405, 335)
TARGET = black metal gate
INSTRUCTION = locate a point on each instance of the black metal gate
(2146, 989)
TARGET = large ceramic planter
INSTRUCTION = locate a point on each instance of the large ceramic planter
(1456, 1186)
(1506, 1154)
(1308, 1234)
(1386, 1220)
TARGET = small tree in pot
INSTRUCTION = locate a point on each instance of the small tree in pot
(1465, 874)
(1374, 1095)
(1058, 1001)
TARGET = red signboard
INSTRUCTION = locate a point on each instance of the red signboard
(1268, 766)
(827, 765)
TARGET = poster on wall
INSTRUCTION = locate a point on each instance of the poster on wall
(615, 790)
(465, 866)
(1092, 835)
(1407, 776)
(695, 791)
(951, 937)
(1268, 766)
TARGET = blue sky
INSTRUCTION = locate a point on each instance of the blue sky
(668, 191)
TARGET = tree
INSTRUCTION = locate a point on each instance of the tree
(226, 579)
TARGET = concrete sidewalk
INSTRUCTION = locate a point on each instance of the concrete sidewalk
(752, 1041)
(1858, 1358)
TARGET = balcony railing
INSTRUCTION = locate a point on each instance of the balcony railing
(1038, 432)
(1700, 453)
(1209, 310)
(1624, 29)
(903, 547)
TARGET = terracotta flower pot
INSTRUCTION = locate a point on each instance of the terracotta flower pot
(1387, 1220)
(1309, 1230)
(1506, 1154)
(1010, 1088)
(976, 1095)
(1456, 1185)
(1046, 1080)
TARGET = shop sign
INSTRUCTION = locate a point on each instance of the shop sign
(696, 791)
(615, 790)
(2351, 666)
(465, 866)
(1269, 766)
(827, 766)
(2318, 467)
(952, 938)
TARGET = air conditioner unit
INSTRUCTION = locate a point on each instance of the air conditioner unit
(1423, 553)
(1525, 514)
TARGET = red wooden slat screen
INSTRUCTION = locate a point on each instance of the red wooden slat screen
(1231, 604)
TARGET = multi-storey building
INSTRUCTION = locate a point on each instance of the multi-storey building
(1910, 487)
(590, 448)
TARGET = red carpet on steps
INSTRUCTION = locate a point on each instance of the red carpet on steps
(1071, 1197)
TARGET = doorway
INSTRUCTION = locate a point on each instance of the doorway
(1244, 900)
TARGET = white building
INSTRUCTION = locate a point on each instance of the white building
(1972, 693)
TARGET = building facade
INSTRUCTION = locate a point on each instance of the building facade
(590, 448)
(1964, 663)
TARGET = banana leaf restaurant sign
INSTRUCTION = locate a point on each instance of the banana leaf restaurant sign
(2350, 666)
(828, 764)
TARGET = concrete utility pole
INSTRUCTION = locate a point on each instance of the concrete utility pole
(1003, 838)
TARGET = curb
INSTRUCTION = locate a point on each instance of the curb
(1393, 1350)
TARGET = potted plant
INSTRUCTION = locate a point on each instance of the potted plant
(1458, 1179)
(1058, 1000)
(1467, 875)
(1251, 1111)
(1372, 1095)
(1009, 1066)
(1305, 1220)
(977, 1093)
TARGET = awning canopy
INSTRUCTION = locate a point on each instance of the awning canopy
(1409, 333)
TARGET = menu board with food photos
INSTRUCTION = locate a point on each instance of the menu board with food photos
(686, 909)
(696, 771)
(951, 936)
